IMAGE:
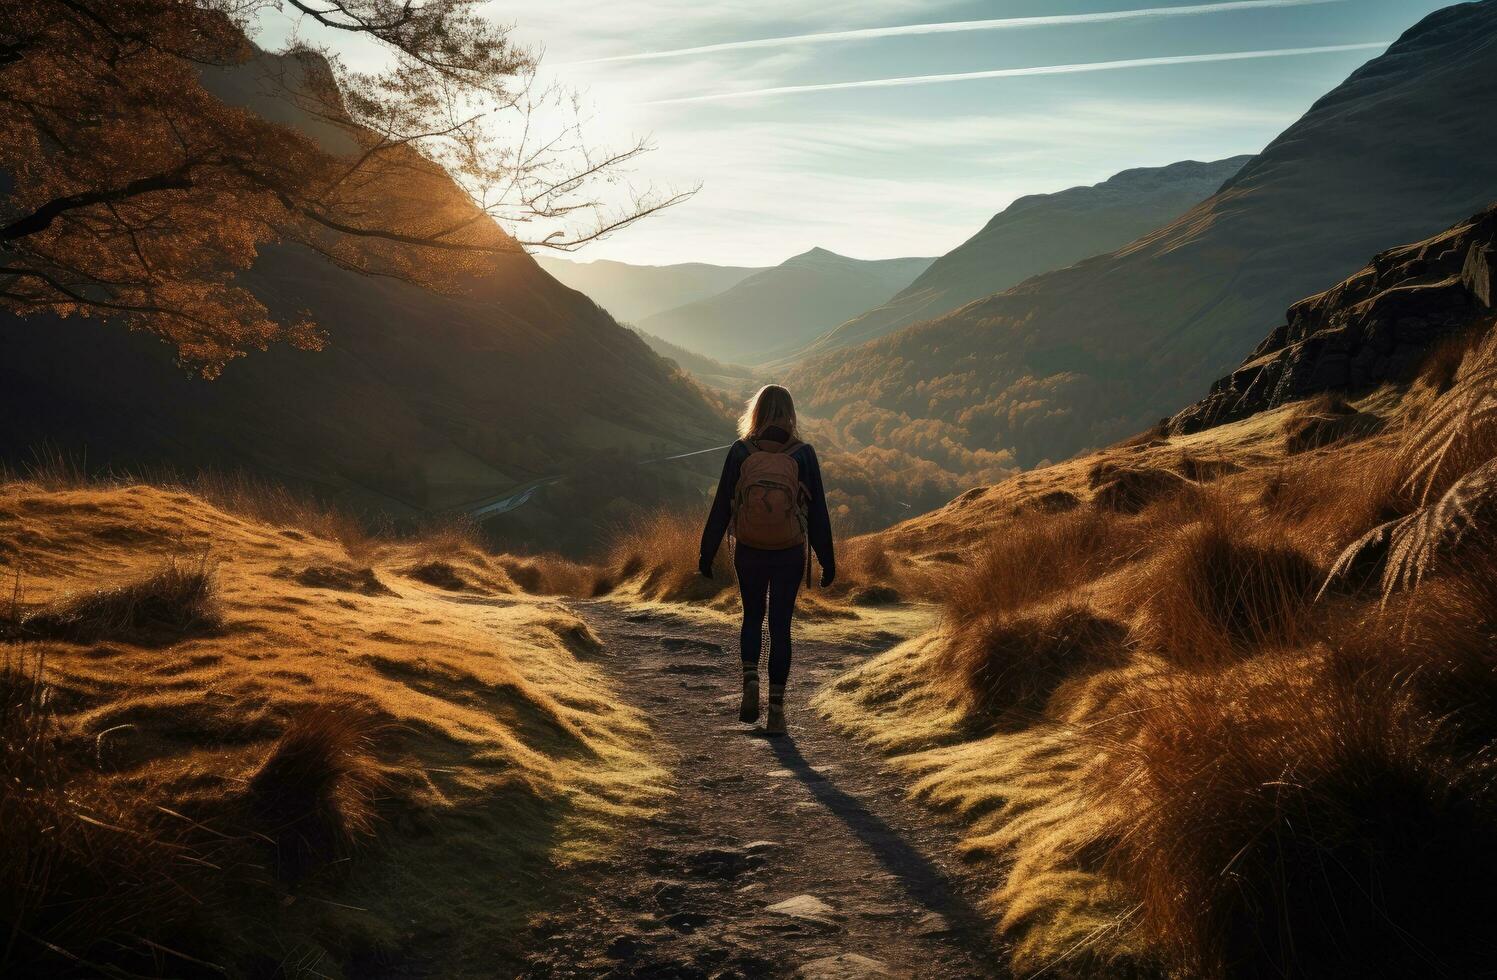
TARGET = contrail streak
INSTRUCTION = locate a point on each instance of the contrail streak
(1184, 59)
(954, 27)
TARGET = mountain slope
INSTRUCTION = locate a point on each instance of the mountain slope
(1039, 233)
(1378, 327)
(777, 310)
(419, 402)
(633, 292)
(734, 379)
(1088, 354)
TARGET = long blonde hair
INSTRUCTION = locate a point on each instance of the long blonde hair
(771, 405)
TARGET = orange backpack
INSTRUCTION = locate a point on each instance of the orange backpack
(769, 505)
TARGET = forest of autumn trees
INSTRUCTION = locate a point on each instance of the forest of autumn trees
(133, 193)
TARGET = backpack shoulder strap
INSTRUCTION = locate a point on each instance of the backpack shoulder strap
(791, 446)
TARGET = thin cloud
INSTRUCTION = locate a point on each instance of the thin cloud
(1184, 59)
(954, 27)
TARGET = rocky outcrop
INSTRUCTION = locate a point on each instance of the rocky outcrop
(1375, 328)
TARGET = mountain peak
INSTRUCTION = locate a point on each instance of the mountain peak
(818, 254)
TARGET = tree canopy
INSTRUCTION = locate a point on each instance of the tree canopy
(133, 188)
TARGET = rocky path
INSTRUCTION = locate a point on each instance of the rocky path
(789, 857)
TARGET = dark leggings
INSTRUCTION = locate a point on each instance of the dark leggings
(777, 573)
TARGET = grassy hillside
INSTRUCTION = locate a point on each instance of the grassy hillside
(242, 738)
(1078, 358)
(1218, 698)
(1196, 749)
(1037, 234)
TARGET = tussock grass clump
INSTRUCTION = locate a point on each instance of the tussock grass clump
(85, 871)
(1326, 420)
(1130, 489)
(553, 575)
(874, 595)
(272, 503)
(438, 573)
(1204, 469)
(1018, 618)
(1442, 366)
(1028, 561)
(657, 555)
(1303, 821)
(1216, 590)
(174, 601)
(1009, 666)
(315, 794)
(1322, 502)
(1442, 636)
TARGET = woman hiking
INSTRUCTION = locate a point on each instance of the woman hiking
(770, 496)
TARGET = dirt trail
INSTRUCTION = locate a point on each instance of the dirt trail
(809, 820)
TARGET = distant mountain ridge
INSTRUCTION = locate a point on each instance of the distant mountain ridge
(1040, 233)
(1088, 354)
(633, 292)
(780, 309)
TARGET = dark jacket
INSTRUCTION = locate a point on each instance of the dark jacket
(818, 523)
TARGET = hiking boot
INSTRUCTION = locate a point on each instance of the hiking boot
(749, 711)
(775, 723)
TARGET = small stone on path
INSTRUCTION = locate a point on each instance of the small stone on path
(847, 966)
(807, 908)
(932, 925)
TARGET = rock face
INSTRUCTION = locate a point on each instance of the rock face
(1377, 327)
(1039, 233)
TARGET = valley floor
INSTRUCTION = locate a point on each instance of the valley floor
(785, 857)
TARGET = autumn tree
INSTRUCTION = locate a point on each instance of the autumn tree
(148, 152)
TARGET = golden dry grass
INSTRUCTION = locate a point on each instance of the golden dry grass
(653, 559)
(311, 700)
(1182, 760)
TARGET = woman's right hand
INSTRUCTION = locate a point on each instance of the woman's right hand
(704, 565)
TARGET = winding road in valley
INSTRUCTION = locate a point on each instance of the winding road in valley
(516, 497)
(788, 857)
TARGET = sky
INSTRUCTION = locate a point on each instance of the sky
(882, 128)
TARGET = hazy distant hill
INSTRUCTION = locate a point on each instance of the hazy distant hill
(1040, 233)
(1094, 352)
(419, 402)
(734, 379)
(633, 292)
(775, 311)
